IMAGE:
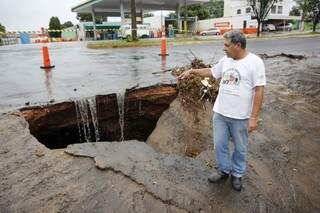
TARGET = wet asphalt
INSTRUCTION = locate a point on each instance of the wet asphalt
(81, 72)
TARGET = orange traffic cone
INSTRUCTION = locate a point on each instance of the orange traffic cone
(46, 58)
(164, 45)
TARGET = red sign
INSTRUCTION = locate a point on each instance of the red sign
(222, 24)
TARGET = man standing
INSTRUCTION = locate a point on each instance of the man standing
(242, 81)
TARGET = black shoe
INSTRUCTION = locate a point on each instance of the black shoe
(236, 183)
(217, 176)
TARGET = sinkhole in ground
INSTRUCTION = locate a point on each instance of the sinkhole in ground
(131, 115)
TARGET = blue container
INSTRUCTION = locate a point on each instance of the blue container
(171, 33)
(25, 38)
(115, 36)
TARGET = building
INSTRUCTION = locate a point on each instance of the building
(118, 8)
(238, 14)
(104, 30)
(241, 7)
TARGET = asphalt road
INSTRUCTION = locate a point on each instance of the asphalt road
(82, 72)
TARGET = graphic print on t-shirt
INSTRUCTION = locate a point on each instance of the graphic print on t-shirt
(231, 77)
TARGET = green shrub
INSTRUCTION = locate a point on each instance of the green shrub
(129, 38)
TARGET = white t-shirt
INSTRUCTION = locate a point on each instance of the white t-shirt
(238, 80)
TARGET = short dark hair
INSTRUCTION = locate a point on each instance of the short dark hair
(236, 37)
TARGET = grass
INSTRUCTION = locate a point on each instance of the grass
(309, 26)
(146, 42)
(288, 35)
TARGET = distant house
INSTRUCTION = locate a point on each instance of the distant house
(237, 14)
(104, 31)
(69, 34)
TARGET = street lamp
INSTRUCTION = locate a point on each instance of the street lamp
(185, 15)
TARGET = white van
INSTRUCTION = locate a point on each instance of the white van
(143, 31)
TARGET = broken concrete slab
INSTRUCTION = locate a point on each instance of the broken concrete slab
(180, 181)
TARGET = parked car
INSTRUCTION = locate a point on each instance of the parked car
(287, 27)
(211, 31)
(143, 31)
(268, 27)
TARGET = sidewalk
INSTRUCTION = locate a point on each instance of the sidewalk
(293, 33)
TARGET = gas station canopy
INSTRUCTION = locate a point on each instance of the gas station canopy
(112, 7)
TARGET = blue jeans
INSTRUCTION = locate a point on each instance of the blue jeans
(224, 129)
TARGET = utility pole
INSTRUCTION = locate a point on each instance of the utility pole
(178, 18)
(122, 13)
(185, 16)
(94, 24)
(133, 20)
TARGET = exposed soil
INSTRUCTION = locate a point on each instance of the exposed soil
(57, 125)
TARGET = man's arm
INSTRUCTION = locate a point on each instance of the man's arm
(257, 103)
(205, 72)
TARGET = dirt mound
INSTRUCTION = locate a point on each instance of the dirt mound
(184, 129)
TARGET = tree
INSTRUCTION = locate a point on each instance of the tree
(84, 16)
(310, 11)
(54, 24)
(133, 20)
(215, 8)
(87, 17)
(212, 9)
(67, 25)
(2, 28)
(261, 9)
(295, 11)
(146, 15)
(196, 10)
(316, 14)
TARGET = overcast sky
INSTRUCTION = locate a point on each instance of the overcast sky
(19, 15)
(31, 15)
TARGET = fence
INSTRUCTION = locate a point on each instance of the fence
(16, 37)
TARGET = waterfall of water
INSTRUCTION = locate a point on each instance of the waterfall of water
(86, 109)
(120, 100)
(77, 106)
(93, 109)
